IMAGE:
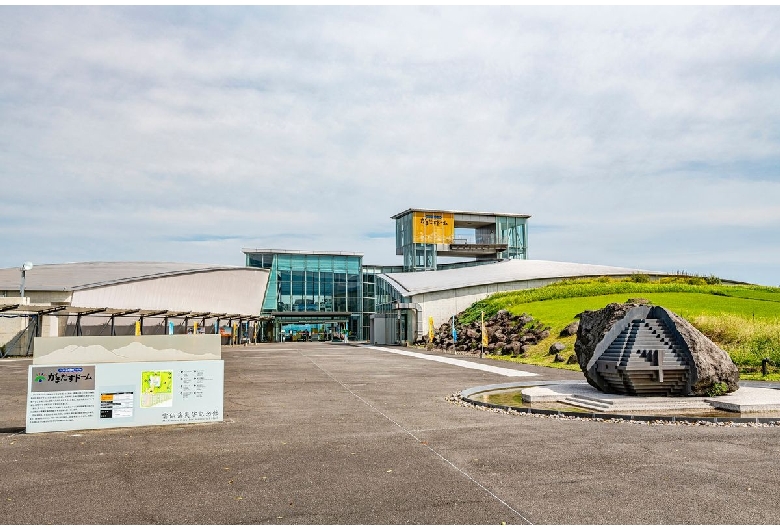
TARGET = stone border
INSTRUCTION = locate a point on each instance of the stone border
(464, 397)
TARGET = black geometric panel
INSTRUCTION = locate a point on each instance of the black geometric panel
(645, 358)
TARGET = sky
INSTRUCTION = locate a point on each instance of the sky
(646, 138)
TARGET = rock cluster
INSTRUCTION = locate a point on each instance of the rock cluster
(507, 334)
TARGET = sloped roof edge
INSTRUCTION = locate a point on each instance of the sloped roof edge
(413, 283)
(89, 275)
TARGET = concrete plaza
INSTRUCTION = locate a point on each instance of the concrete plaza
(335, 434)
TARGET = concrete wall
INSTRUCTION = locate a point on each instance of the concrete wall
(34, 297)
(82, 350)
(12, 326)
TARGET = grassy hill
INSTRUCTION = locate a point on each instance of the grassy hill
(744, 320)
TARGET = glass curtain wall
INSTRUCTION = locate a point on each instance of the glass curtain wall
(513, 231)
(369, 296)
(417, 256)
(314, 283)
(385, 295)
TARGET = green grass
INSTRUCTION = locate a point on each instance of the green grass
(743, 320)
(606, 286)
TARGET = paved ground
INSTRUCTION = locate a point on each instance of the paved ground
(332, 434)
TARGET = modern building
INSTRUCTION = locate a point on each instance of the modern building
(421, 236)
(295, 294)
(112, 298)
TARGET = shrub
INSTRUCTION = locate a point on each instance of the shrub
(640, 278)
(718, 389)
(712, 280)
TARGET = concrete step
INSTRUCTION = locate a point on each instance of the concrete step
(586, 403)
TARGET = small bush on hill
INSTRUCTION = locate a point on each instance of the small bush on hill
(718, 389)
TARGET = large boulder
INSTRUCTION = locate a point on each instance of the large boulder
(648, 350)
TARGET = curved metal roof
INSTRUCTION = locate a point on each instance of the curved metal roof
(412, 283)
(86, 275)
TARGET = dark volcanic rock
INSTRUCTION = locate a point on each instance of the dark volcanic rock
(570, 330)
(503, 314)
(556, 347)
(706, 363)
(713, 365)
(512, 334)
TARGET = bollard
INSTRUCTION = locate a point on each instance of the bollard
(764, 364)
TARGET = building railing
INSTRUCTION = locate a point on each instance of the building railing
(491, 239)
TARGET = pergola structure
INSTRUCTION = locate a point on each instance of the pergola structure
(36, 312)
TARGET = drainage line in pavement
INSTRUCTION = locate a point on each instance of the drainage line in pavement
(391, 420)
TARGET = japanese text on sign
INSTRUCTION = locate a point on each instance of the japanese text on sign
(436, 228)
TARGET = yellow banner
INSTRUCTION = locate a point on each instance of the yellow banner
(430, 329)
(484, 331)
(436, 228)
(137, 328)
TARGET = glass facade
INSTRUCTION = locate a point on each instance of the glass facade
(313, 283)
(417, 256)
(385, 296)
(473, 229)
(514, 232)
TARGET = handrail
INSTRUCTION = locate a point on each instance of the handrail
(481, 240)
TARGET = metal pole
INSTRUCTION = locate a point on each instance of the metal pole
(32, 323)
(21, 289)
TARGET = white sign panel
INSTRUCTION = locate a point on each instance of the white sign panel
(98, 396)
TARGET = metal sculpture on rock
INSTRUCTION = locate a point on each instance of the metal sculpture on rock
(640, 349)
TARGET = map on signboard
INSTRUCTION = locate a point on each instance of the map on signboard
(156, 389)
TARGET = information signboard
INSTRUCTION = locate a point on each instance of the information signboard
(98, 396)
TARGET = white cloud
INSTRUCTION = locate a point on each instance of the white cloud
(160, 134)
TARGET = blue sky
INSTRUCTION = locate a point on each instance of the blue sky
(637, 137)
